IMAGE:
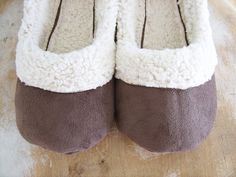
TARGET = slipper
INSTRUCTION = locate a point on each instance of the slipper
(65, 64)
(165, 92)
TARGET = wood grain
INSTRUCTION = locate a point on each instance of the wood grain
(3, 4)
(117, 156)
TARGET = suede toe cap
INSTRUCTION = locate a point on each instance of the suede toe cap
(64, 123)
(166, 120)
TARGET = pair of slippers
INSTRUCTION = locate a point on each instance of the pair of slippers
(164, 94)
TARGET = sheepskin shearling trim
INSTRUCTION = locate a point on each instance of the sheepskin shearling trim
(179, 68)
(80, 70)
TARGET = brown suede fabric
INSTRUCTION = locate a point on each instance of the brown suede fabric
(64, 122)
(166, 120)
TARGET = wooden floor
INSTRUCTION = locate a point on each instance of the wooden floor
(117, 156)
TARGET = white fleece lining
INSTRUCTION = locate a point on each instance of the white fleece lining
(79, 70)
(74, 28)
(181, 67)
(162, 18)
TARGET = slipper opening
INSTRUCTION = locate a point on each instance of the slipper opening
(162, 21)
(73, 27)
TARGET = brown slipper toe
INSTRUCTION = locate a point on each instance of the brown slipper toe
(166, 120)
(64, 122)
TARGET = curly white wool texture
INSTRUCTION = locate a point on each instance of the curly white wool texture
(179, 68)
(79, 70)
